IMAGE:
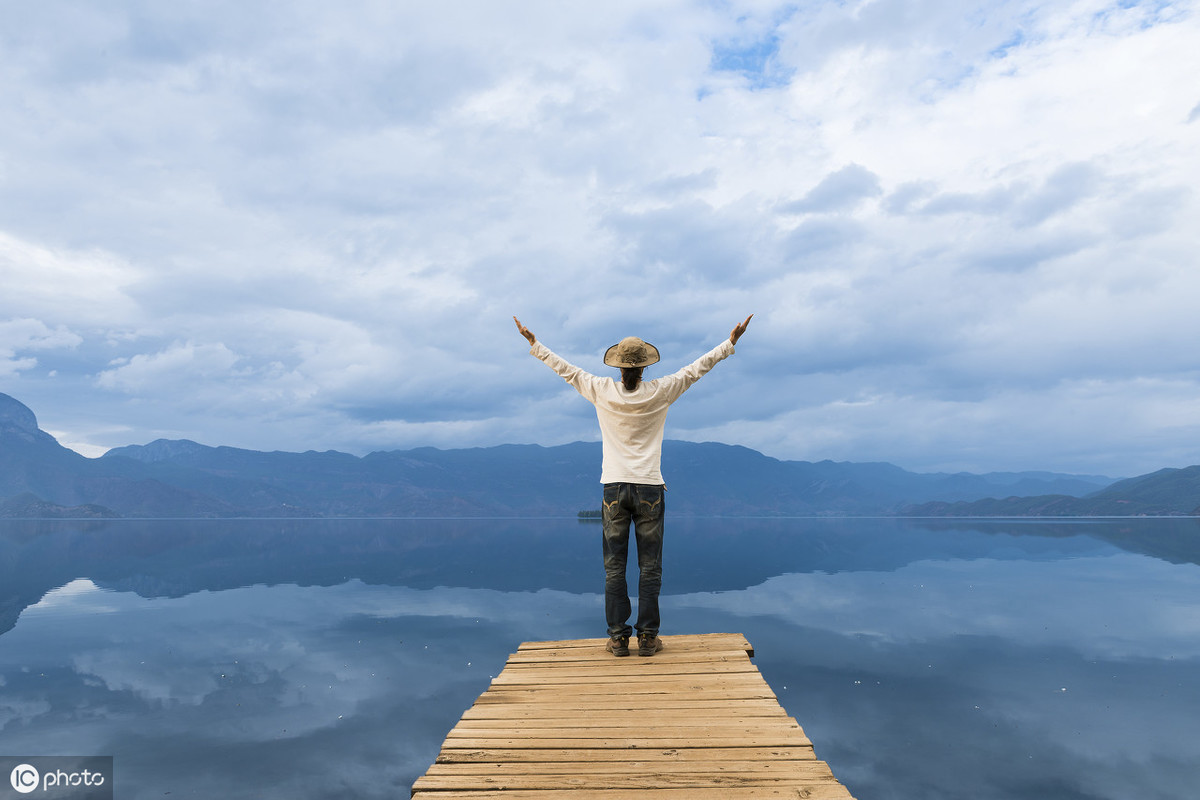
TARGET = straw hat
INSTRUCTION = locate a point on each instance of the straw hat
(631, 352)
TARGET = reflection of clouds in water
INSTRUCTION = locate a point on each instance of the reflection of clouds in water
(1097, 606)
(19, 711)
(290, 602)
(184, 650)
(1069, 678)
(164, 681)
(161, 681)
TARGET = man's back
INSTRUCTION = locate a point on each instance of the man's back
(632, 421)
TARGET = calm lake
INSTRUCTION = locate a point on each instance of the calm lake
(320, 659)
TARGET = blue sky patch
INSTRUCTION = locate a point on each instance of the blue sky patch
(756, 61)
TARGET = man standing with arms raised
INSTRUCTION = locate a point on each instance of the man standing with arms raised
(632, 414)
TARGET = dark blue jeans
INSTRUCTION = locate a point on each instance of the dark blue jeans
(643, 506)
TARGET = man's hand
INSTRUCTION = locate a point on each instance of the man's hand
(528, 334)
(734, 335)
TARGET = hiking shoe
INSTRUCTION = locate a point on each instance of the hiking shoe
(618, 645)
(648, 644)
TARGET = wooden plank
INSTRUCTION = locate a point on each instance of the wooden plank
(635, 698)
(699, 642)
(616, 670)
(818, 790)
(631, 683)
(649, 741)
(601, 711)
(684, 728)
(597, 651)
(664, 756)
(566, 718)
(646, 778)
(755, 686)
(595, 720)
(812, 767)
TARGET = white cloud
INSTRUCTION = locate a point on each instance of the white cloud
(180, 362)
(86, 286)
(26, 335)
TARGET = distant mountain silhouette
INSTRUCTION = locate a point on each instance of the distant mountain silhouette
(29, 506)
(1168, 492)
(180, 478)
(32, 462)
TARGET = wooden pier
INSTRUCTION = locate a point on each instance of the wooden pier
(567, 719)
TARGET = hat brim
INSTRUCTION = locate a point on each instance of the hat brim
(610, 357)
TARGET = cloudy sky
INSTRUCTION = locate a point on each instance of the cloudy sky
(967, 230)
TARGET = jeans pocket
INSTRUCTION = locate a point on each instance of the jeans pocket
(611, 500)
(650, 501)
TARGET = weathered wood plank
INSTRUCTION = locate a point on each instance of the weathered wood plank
(700, 642)
(818, 790)
(617, 670)
(663, 765)
(629, 727)
(633, 683)
(513, 692)
(622, 743)
(647, 778)
(597, 653)
(632, 697)
(794, 752)
(606, 720)
(601, 711)
(565, 718)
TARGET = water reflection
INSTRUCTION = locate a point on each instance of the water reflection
(322, 659)
(1032, 680)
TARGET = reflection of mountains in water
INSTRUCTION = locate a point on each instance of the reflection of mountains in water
(1176, 541)
(175, 558)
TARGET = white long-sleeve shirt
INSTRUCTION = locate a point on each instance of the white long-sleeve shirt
(632, 423)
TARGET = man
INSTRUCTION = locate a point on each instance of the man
(632, 414)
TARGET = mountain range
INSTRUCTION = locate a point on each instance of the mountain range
(40, 478)
(1167, 492)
